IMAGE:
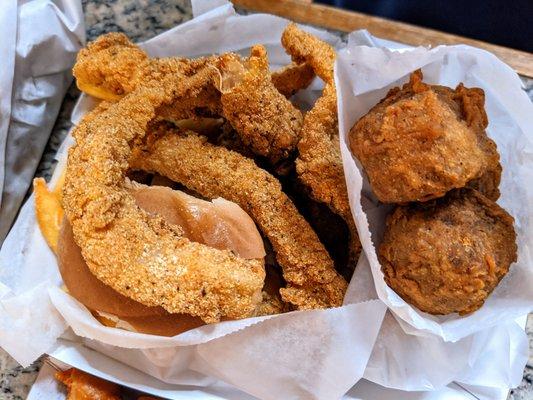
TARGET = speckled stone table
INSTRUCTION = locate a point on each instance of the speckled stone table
(141, 20)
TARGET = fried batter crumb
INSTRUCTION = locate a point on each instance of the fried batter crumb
(267, 122)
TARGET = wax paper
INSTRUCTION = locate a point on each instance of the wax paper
(69, 354)
(491, 359)
(364, 75)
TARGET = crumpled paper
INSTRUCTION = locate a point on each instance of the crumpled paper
(40, 39)
(68, 353)
(364, 75)
(320, 353)
(490, 359)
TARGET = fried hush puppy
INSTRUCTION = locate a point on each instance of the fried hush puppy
(422, 141)
(448, 255)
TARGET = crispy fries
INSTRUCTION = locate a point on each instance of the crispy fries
(48, 210)
(82, 386)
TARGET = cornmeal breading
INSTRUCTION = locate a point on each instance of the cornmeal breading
(319, 163)
(265, 120)
(138, 255)
(213, 171)
(292, 78)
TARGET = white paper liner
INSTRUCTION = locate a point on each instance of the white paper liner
(68, 354)
(493, 358)
(363, 76)
(319, 351)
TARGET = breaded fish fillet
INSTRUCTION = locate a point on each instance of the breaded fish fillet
(266, 121)
(112, 66)
(213, 171)
(319, 163)
(139, 255)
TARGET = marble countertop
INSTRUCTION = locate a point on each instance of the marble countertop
(141, 20)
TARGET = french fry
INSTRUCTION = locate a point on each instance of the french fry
(48, 210)
(82, 386)
(97, 92)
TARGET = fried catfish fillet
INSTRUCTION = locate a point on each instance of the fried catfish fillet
(112, 66)
(266, 121)
(214, 171)
(319, 163)
(137, 254)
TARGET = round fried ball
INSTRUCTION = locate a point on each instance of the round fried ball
(422, 141)
(448, 255)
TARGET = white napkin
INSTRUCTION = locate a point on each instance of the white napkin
(40, 39)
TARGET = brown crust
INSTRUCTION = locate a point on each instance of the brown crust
(319, 163)
(292, 78)
(449, 254)
(421, 141)
(139, 255)
(111, 63)
(265, 120)
(306, 48)
(98, 297)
